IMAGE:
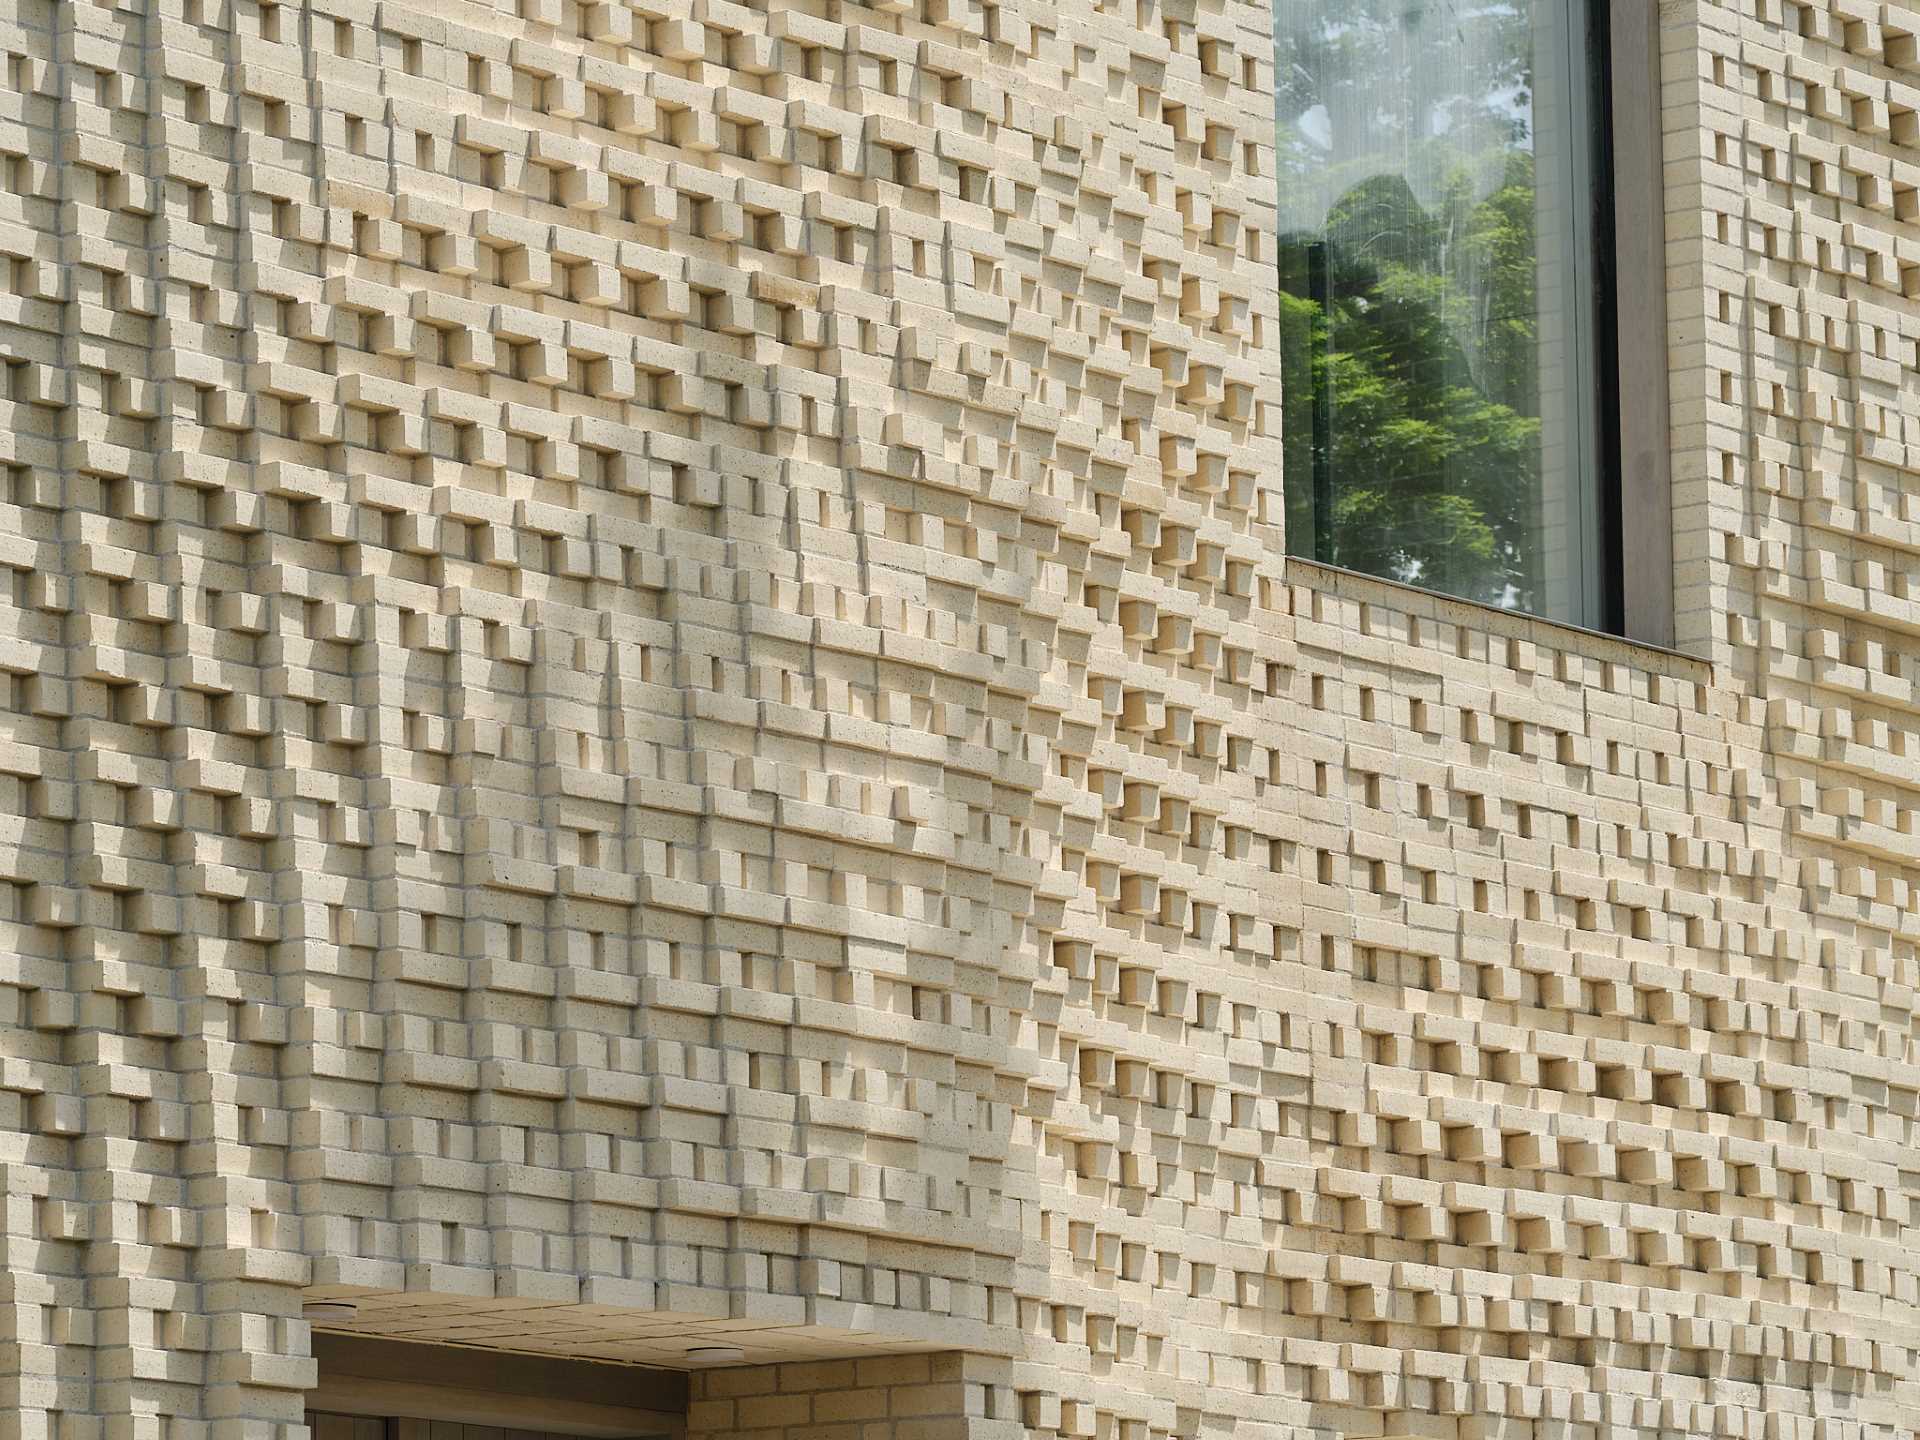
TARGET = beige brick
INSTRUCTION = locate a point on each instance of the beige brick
(761, 1412)
(650, 698)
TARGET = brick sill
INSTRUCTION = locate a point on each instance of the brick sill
(1510, 624)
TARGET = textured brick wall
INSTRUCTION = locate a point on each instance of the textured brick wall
(651, 698)
(895, 1397)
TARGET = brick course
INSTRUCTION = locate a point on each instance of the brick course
(649, 696)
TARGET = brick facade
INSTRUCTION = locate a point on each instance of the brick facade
(649, 696)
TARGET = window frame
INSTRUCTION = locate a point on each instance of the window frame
(1626, 427)
(1642, 460)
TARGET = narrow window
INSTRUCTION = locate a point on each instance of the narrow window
(1446, 331)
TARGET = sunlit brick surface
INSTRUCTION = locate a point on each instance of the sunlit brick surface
(649, 697)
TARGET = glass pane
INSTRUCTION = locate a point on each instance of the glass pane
(1435, 264)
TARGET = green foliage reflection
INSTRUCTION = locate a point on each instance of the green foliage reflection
(1410, 331)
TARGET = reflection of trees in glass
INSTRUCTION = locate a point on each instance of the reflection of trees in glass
(1413, 355)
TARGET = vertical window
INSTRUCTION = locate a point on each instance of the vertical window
(1445, 233)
